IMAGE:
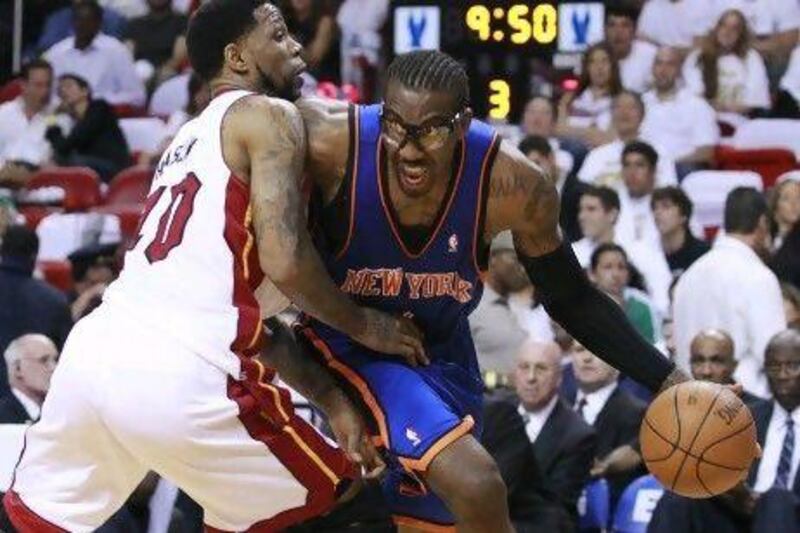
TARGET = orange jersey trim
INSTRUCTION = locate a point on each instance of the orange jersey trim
(354, 379)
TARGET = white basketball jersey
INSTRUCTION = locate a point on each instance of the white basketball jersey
(193, 271)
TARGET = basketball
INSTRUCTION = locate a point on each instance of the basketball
(698, 439)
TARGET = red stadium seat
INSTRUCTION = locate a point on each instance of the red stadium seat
(57, 273)
(35, 213)
(128, 215)
(10, 90)
(81, 186)
(129, 186)
(129, 111)
(769, 162)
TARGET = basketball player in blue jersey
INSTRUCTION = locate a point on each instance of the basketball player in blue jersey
(409, 194)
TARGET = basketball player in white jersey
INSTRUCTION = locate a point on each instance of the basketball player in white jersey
(163, 375)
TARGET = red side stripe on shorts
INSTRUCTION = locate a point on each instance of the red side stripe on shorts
(25, 520)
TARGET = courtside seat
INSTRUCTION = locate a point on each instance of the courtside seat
(130, 186)
(708, 189)
(768, 162)
(57, 273)
(80, 186)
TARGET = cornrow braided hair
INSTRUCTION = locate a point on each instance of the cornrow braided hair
(431, 70)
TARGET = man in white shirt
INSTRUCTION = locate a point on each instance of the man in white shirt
(603, 165)
(683, 123)
(635, 56)
(769, 501)
(730, 288)
(598, 215)
(636, 220)
(23, 122)
(30, 361)
(103, 61)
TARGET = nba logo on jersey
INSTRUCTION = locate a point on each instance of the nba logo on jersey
(412, 436)
(452, 244)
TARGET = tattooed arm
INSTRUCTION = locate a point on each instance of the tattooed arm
(328, 129)
(264, 140)
(523, 199)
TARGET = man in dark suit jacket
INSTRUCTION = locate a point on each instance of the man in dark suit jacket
(570, 188)
(30, 361)
(615, 415)
(27, 305)
(769, 502)
(543, 448)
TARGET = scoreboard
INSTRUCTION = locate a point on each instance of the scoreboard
(507, 47)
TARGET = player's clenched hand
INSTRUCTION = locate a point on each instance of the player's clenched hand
(348, 428)
(393, 335)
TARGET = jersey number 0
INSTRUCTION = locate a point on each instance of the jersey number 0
(172, 223)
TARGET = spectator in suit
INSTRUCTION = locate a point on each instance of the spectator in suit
(30, 361)
(96, 139)
(615, 415)
(769, 502)
(27, 305)
(712, 360)
(545, 461)
(731, 289)
(672, 211)
(540, 151)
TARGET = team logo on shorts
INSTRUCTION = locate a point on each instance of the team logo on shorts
(413, 437)
(452, 243)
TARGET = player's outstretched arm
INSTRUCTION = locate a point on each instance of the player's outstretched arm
(523, 199)
(265, 138)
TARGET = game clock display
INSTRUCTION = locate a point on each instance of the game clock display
(503, 45)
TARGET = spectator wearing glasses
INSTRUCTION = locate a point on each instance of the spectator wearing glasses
(770, 498)
(672, 211)
(30, 361)
(727, 71)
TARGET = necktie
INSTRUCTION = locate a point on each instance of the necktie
(580, 406)
(785, 461)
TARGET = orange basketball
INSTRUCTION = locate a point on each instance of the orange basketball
(698, 439)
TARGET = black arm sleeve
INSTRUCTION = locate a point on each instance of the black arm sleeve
(593, 318)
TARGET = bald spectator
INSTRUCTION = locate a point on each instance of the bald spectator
(103, 61)
(769, 501)
(672, 212)
(711, 359)
(730, 288)
(27, 305)
(683, 123)
(543, 448)
(30, 361)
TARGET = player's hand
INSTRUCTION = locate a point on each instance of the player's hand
(348, 429)
(390, 334)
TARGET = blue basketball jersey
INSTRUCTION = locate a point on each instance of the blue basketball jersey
(441, 284)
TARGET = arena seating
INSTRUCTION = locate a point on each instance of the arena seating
(594, 506)
(708, 190)
(768, 162)
(635, 507)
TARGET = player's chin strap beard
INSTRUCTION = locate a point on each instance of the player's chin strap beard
(269, 88)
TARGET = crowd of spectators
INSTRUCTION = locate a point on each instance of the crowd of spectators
(653, 103)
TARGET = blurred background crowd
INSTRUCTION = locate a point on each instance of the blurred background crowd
(674, 147)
